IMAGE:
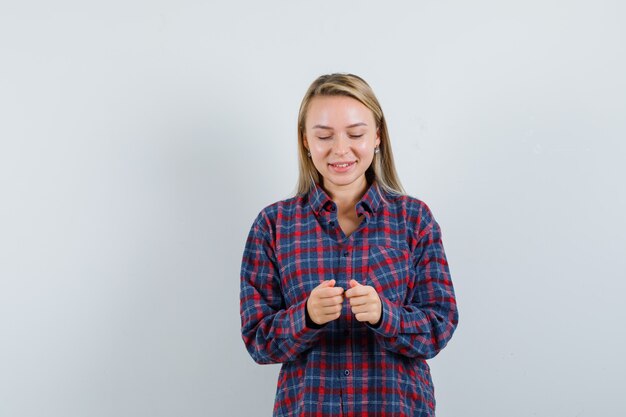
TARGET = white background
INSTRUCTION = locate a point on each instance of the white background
(139, 139)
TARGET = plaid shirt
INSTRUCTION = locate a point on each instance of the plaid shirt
(346, 367)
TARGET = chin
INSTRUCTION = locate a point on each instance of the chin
(342, 181)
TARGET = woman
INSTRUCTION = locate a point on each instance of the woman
(347, 284)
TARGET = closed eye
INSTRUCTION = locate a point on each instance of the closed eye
(356, 136)
(324, 137)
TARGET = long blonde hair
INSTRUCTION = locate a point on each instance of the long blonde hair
(382, 170)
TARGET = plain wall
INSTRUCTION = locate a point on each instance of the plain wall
(139, 139)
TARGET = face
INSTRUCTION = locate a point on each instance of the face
(341, 134)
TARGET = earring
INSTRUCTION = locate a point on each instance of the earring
(376, 149)
(308, 153)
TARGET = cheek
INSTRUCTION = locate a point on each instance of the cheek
(318, 156)
(319, 149)
(364, 149)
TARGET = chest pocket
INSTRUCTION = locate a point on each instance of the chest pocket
(389, 272)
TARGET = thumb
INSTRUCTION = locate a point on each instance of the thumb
(328, 283)
(354, 283)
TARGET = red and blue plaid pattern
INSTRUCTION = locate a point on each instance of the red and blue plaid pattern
(348, 368)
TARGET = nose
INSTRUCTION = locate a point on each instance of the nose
(341, 145)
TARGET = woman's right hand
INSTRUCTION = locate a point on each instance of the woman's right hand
(325, 302)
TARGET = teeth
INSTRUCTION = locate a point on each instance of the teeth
(342, 165)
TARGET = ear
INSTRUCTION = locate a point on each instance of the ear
(305, 142)
(377, 137)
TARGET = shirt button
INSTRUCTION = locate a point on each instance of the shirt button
(346, 253)
(331, 223)
(346, 372)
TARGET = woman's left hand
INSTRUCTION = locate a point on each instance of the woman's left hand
(364, 302)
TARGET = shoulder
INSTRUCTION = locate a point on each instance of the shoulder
(411, 205)
(278, 212)
(414, 211)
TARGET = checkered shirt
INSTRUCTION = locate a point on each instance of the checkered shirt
(346, 367)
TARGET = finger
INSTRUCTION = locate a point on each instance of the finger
(357, 291)
(361, 309)
(358, 301)
(354, 283)
(329, 292)
(327, 283)
(363, 317)
(329, 311)
(331, 301)
(325, 318)
(331, 317)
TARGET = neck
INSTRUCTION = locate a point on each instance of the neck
(347, 196)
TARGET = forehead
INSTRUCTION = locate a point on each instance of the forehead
(337, 111)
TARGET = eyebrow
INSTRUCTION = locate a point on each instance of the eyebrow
(330, 128)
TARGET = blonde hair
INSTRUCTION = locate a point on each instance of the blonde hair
(382, 170)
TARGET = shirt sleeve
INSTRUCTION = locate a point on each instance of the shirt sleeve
(424, 324)
(272, 332)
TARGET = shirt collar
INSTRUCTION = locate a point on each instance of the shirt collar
(319, 199)
(370, 202)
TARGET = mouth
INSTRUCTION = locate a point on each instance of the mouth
(342, 165)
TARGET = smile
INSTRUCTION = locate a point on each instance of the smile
(342, 164)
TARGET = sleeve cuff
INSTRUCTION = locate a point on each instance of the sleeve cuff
(302, 327)
(389, 324)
